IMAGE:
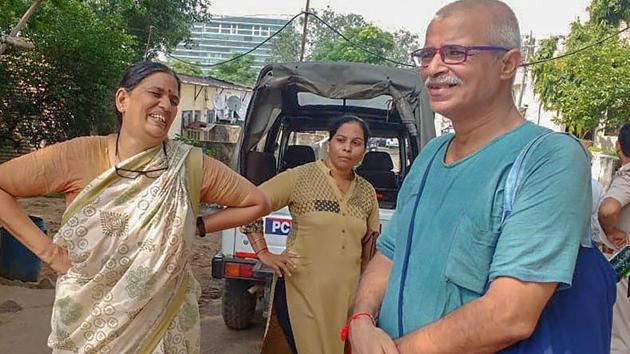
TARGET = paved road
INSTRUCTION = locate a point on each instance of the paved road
(25, 325)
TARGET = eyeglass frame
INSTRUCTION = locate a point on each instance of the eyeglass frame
(141, 172)
(440, 50)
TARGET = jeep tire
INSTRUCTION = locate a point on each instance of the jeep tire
(238, 304)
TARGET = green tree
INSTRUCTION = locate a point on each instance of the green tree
(324, 44)
(381, 43)
(181, 67)
(63, 88)
(406, 42)
(285, 46)
(238, 71)
(161, 24)
(610, 12)
(589, 88)
(321, 38)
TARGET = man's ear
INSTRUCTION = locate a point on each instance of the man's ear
(122, 100)
(510, 64)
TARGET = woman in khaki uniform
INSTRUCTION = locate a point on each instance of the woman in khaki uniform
(335, 213)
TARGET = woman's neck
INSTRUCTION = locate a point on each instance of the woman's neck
(343, 174)
(127, 145)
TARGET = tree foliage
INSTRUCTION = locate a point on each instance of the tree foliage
(181, 67)
(589, 88)
(64, 87)
(285, 47)
(609, 12)
(238, 71)
(381, 43)
(161, 24)
(324, 44)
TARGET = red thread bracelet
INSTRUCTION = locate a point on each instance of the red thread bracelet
(260, 250)
(343, 334)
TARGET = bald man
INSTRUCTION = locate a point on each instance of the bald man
(451, 277)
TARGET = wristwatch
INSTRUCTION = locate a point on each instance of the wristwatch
(201, 227)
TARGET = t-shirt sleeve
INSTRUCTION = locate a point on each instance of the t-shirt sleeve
(53, 169)
(386, 242)
(620, 189)
(539, 241)
(279, 189)
(222, 185)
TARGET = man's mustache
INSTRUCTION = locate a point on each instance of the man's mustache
(442, 80)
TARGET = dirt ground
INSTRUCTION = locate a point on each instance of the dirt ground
(215, 338)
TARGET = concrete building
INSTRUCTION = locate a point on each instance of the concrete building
(219, 39)
(206, 103)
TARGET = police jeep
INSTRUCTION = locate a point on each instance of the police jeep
(286, 126)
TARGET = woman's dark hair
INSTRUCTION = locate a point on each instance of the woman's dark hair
(348, 118)
(624, 139)
(140, 71)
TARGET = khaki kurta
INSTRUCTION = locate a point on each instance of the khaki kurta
(326, 236)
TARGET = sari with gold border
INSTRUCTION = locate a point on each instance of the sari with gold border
(130, 288)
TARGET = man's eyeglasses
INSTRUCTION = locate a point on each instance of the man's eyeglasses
(133, 174)
(450, 54)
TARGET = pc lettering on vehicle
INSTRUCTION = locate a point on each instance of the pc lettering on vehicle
(277, 226)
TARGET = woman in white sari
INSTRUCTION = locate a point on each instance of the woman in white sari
(123, 249)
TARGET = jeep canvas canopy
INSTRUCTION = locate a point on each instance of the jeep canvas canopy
(279, 87)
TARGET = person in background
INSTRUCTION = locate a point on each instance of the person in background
(335, 220)
(124, 247)
(614, 217)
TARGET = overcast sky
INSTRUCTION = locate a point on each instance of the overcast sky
(542, 17)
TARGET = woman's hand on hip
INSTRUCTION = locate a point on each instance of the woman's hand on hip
(282, 264)
(57, 258)
(366, 338)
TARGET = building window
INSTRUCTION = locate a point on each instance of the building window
(186, 118)
(211, 118)
(197, 116)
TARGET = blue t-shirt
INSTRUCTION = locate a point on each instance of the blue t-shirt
(457, 245)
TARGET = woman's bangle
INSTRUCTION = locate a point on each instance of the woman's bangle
(343, 334)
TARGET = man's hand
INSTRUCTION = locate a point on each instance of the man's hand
(366, 338)
(617, 237)
(282, 264)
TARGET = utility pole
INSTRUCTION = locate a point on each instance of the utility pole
(12, 38)
(529, 51)
(146, 49)
(304, 30)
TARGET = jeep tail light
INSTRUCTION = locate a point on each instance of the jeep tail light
(239, 270)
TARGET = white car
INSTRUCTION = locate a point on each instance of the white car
(290, 110)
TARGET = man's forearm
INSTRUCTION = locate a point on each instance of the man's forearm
(486, 325)
(372, 285)
(608, 213)
(469, 329)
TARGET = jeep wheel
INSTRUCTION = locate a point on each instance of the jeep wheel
(238, 304)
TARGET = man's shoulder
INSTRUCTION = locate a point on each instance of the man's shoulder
(560, 146)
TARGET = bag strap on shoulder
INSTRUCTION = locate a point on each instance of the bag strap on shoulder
(515, 180)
